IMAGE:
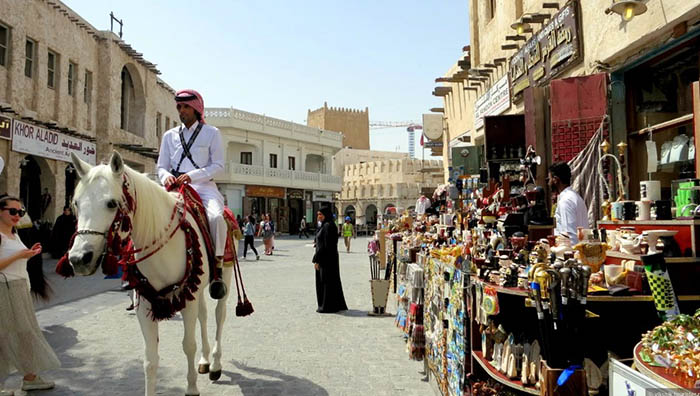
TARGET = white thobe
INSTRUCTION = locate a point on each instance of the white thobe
(208, 153)
(571, 213)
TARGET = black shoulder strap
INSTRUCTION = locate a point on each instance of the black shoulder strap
(186, 146)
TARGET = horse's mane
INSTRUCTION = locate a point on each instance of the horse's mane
(153, 204)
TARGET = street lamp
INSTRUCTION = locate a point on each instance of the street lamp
(520, 26)
(628, 9)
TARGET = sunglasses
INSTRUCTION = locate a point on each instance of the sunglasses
(15, 212)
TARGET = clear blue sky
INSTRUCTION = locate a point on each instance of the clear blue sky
(281, 58)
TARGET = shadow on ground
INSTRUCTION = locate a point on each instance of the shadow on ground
(99, 375)
(275, 383)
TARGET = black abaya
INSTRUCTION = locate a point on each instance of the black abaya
(329, 289)
(63, 231)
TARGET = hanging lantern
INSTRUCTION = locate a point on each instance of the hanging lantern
(628, 9)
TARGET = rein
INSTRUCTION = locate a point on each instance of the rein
(119, 243)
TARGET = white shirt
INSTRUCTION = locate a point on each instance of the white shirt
(18, 269)
(571, 213)
(207, 151)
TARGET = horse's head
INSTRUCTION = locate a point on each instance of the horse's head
(97, 198)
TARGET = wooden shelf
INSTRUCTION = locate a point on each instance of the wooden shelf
(638, 257)
(516, 291)
(650, 222)
(498, 376)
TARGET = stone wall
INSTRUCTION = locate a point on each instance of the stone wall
(92, 111)
(352, 123)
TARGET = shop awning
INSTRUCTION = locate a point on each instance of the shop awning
(461, 140)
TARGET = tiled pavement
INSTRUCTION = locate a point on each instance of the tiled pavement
(284, 348)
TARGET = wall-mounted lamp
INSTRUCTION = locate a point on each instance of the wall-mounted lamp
(520, 26)
(627, 9)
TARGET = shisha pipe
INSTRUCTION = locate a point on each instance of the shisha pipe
(621, 193)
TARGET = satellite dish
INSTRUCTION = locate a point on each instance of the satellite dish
(464, 153)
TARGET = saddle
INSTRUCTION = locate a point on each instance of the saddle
(194, 205)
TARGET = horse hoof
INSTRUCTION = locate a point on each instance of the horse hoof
(203, 368)
(214, 375)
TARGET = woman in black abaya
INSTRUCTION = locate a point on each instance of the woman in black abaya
(329, 289)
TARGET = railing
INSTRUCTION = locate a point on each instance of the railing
(240, 115)
(281, 177)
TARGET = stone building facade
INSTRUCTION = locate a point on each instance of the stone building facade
(348, 156)
(353, 124)
(275, 166)
(370, 188)
(617, 54)
(82, 90)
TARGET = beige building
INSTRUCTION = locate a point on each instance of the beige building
(370, 188)
(275, 166)
(67, 87)
(349, 156)
(573, 65)
(353, 124)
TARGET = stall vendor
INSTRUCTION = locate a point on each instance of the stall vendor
(571, 211)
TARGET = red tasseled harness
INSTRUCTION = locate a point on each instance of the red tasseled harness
(171, 299)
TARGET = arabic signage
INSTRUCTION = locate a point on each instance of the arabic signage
(264, 191)
(322, 196)
(42, 142)
(494, 102)
(5, 128)
(548, 52)
(295, 194)
(433, 144)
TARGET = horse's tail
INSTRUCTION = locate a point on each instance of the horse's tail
(39, 286)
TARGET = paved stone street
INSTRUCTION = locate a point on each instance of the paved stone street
(284, 348)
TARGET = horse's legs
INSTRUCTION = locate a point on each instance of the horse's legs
(206, 349)
(220, 319)
(149, 329)
(189, 343)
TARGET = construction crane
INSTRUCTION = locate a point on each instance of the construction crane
(410, 126)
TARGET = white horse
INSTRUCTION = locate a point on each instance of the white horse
(98, 197)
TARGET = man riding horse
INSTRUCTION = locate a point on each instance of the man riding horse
(193, 153)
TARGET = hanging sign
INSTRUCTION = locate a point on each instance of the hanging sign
(42, 142)
(548, 52)
(264, 191)
(494, 102)
(5, 128)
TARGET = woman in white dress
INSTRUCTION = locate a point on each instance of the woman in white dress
(22, 345)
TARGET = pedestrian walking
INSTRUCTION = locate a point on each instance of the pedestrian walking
(348, 232)
(329, 288)
(272, 226)
(22, 345)
(302, 227)
(249, 237)
(266, 233)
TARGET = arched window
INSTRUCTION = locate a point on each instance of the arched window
(132, 102)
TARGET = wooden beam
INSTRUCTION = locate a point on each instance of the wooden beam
(470, 89)
(674, 123)
(552, 5)
(509, 46)
(516, 38)
(437, 109)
